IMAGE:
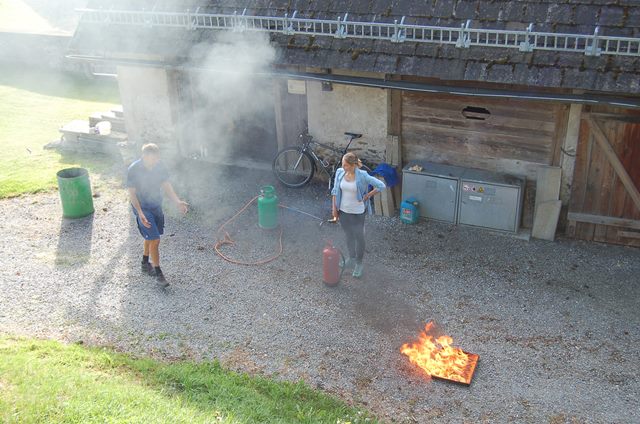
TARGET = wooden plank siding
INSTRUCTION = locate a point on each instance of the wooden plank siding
(516, 138)
(597, 189)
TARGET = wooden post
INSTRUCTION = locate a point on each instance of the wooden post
(618, 167)
(393, 155)
(377, 205)
(569, 148)
(278, 97)
(386, 200)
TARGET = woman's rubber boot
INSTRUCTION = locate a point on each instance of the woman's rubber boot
(349, 263)
(357, 270)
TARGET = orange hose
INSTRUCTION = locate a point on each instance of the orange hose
(228, 240)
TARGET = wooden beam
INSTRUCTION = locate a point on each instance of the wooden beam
(393, 154)
(618, 167)
(394, 111)
(278, 97)
(569, 148)
(560, 133)
(628, 234)
(615, 117)
(603, 220)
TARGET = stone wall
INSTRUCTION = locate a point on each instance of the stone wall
(43, 51)
(349, 109)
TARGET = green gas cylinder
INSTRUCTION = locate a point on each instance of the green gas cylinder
(268, 208)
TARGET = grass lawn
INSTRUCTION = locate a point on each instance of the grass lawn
(46, 381)
(34, 105)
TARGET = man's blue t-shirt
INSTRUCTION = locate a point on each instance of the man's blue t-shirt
(147, 182)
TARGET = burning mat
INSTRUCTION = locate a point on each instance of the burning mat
(438, 358)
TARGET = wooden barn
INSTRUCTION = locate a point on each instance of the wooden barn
(512, 87)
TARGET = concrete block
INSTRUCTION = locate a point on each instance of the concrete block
(545, 220)
(548, 184)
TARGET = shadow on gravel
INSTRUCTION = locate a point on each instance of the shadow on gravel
(74, 241)
(104, 287)
(376, 302)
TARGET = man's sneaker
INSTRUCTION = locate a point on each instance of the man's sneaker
(357, 270)
(349, 263)
(160, 278)
(147, 268)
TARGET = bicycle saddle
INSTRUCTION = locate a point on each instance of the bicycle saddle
(354, 135)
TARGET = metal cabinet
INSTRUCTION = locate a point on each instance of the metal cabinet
(435, 188)
(490, 200)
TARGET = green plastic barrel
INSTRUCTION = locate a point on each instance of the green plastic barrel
(75, 192)
(268, 208)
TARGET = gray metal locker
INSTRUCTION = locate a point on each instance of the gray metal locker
(435, 188)
(490, 200)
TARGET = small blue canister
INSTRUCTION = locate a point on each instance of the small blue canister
(409, 212)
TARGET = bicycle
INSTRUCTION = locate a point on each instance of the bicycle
(294, 166)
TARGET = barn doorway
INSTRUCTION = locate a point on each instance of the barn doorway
(222, 121)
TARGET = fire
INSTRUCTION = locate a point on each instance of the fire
(438, 358)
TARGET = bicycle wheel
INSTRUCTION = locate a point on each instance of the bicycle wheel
(293, 167)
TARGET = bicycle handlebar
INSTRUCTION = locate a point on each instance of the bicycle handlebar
(308, 139)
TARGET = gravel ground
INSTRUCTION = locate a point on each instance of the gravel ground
(556, 325)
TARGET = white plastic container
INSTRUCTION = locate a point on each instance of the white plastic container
(103, 128)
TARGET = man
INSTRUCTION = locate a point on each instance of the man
(147, 179)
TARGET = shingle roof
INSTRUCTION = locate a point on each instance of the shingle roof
(509, 66)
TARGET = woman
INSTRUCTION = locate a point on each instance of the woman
(350, 198)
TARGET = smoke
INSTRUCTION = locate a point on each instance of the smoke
(232, 107)
(227, 116)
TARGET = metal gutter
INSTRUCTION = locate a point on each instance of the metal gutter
(588, 99)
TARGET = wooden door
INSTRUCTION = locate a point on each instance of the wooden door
(605, 203)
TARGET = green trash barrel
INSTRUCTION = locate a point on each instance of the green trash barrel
(75, 192)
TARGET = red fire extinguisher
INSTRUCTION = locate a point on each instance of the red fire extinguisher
(331, 271)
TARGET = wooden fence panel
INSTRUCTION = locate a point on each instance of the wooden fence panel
(600, 203)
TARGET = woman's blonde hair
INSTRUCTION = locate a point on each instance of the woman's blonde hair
(352, 159)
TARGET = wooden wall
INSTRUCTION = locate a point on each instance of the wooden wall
(597, 189)
(516, 138)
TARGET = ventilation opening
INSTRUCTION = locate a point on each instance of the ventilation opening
(476, 113)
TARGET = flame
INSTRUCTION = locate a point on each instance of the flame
(438, 358)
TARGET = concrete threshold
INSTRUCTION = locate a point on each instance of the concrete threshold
(240, 163)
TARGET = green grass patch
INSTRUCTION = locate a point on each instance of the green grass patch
(46, 381)
(35, 104)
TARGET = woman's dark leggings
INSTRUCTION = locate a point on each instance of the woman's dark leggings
(353, 226)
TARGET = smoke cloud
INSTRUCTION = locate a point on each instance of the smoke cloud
(232, 108)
